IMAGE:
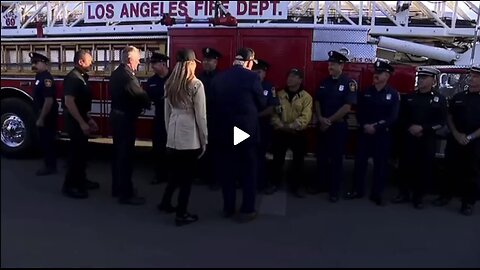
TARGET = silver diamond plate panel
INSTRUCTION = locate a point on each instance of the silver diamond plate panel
(358, 53)
(341, 35)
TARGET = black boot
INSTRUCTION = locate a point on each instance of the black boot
(353, 195)
(467, 209)
(401, 198)
(185, 219)
(441, 201)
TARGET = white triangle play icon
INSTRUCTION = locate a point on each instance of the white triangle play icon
(239, 136)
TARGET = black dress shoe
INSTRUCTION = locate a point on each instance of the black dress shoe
(467, 210)
(401, 198)
(313, 191)
(214, 187)
(377, 200)
(418, 205)
(89, 185)
(298, 194)
(168, 209)
(247, 217)
(228, 214)
(132, 201)
(353, 196)
(333, 198)
(45, 172)
(441, 201)
(270, 190)
(186, 219)
(75, 193)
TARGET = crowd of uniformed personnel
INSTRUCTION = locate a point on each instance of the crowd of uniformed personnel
(195, 117)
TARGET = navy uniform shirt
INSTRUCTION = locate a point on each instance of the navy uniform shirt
(465, 110)
(156, 92)
(378, 107)
(76, 84)
(237, 97)
(45, 88)
(127, 94)
(335, 93)
(272, 101)
(206, 78)
(267, 90)
(428, 110)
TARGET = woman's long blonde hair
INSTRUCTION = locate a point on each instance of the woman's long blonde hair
(177, 85)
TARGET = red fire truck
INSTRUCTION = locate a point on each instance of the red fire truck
(285, 34)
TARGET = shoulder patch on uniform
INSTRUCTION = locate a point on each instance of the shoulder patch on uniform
(48, 83)
(353, 86)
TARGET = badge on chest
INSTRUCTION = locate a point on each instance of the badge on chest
(37, 82)
(341, 88)
(389, 97)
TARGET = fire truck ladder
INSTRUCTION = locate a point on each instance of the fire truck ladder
(445, 19)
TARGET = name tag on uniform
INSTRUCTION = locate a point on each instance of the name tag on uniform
(436, 99)
(37, 82)
(368, 95)
(341, 88)
(458, 102)
(153, 85)
(265, 92)
(389, 96)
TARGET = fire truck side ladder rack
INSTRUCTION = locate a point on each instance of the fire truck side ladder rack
(445, 19)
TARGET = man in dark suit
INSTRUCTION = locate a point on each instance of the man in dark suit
(237, 97)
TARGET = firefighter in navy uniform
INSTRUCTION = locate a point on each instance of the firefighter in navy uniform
(210, 63)
(261, 68)
(333, 102)
(46, 106)
(155, 88)
(463, 146)
(237, 98)
(128, 102)
(422, 114)
(77, 103)
(377, 112)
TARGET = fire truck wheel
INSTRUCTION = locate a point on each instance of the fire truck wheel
(17, 127)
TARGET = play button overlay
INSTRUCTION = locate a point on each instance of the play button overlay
(239, 136)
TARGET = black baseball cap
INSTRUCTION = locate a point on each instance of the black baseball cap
(297, 72)
(246, 54)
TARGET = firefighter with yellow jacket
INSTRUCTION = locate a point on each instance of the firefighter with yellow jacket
(289, 132)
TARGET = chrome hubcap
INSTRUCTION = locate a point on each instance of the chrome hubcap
(13, 131)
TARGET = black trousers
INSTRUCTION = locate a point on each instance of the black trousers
(47, 136)
(297, 142)
(416, 166)
(234, 164)
(123, 127)
(463, 164)
(378, 147)
(77, 161)
(159, 152)
(330, 154)
(181, 164)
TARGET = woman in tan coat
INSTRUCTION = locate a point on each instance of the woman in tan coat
(186, 125)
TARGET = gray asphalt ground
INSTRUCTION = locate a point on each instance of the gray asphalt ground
(41, 228)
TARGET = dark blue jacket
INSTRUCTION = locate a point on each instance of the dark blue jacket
(378, 107)
(237, 97)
